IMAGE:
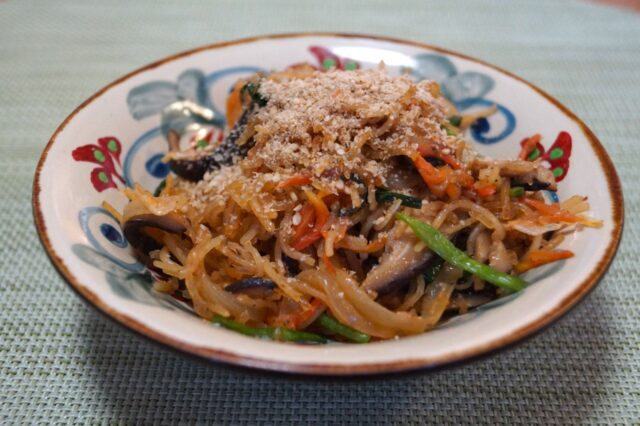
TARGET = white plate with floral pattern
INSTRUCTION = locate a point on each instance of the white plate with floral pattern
(115, 139)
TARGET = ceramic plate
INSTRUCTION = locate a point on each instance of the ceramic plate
(115, 139)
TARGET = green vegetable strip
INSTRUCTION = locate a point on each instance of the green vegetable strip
(273, 333)
(516, 191)
(160, 188)
(450, 132)
(384, 196)
(455, 120)
(441, 245)
(434, 269)
(252, 89)
(333, 325)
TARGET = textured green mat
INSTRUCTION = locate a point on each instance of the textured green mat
(61, 362)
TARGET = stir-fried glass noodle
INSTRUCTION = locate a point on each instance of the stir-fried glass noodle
(345, 206)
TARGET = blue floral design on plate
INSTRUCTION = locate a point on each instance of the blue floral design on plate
(153, 97)
(467, 90)
(110, 241)
(130, 285)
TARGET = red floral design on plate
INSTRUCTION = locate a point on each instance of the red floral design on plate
(106, 153)
(557, 156)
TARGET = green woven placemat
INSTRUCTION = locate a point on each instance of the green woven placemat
(62, 362)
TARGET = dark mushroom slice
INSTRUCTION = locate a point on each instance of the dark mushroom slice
(533, 186)
(542, 179)
(291, 266)
(254, 287)
(136, 230)
(226, 154)
(397, 266)
(400, 263)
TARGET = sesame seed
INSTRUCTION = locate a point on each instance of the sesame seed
(326, 125)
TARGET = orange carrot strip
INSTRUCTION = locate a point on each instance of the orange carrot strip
(234, 104)
(542, 207)
(298, 180)
(307, 239)
(306, 218)
(328, 264)
(560, 217)
(485, 190)
(430, 174)
(553, 213)
(299, 318)
(428, 151)
(453, 191)
(449, 160)
(303, 237)
(375, 246)
(541, 257)
(305, 315)
(464, 178)
(322, 212)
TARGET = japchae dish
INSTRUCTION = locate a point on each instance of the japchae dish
(344, 206)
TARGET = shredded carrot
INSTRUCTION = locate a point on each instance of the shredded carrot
(234, 104)
(430, 174)
(304, 235)
(428, 151)
(454, 177)
(306, 314)
(306, 218)
(485, 189)
(297, 180)
(571, 218)
(537, 258)
(529, 145)
(464, 178)
(307, 239)
(298, 318)
(328, 264)
(322, 212)
(453, 190)
(376, 245)
(542, 207)
(560, 217)
(553, 213)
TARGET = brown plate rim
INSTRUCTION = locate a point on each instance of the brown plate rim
(430, 363)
